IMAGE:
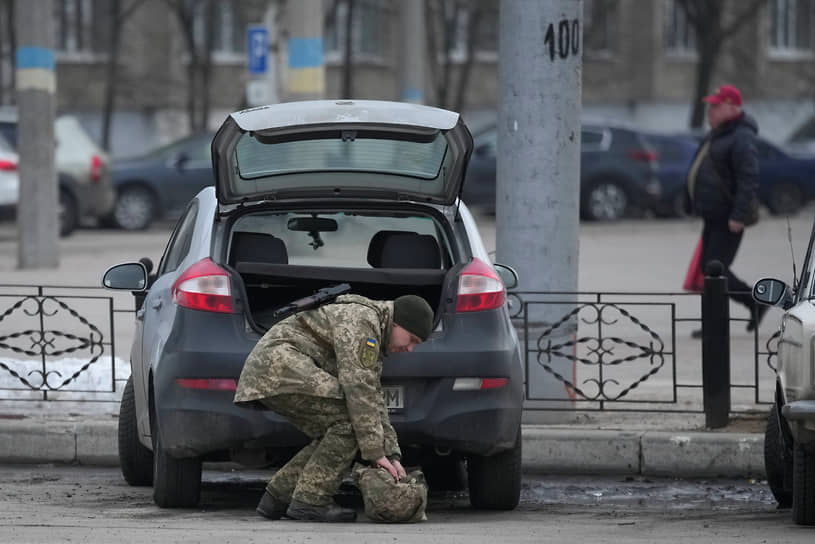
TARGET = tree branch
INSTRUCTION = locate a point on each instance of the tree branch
(743, 17)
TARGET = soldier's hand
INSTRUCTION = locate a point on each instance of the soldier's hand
(400, 470)
(384, 463)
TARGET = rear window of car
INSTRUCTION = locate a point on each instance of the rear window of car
(347, 246)
(343, 151)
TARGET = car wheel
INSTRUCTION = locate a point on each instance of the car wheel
(785, 199)
(176, 482)
(777, 462)
(68, 213)
(495, 480)
(134, 208)
(605, 201)
(136, 461)
(803, 486)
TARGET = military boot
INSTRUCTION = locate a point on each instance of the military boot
(330, 512)
(270, 507)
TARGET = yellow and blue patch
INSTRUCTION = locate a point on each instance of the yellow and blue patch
(370, 342)
(368, 354)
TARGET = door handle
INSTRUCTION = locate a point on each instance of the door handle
(156, 304)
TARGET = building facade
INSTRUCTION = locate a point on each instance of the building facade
(639, 60)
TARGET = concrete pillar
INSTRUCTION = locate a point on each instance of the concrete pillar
(413, 50)
(37, 213)
(538, 169)
(306, 71)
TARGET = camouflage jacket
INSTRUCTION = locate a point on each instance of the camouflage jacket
(344, 343)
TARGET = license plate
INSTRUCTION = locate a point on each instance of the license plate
(394, 397)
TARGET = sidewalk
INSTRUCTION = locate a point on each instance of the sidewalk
(657, 444)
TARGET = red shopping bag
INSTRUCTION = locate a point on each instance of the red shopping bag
(694, 279)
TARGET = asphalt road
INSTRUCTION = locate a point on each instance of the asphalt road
(93, 505)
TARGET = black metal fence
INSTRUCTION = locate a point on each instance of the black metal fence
(582, 351)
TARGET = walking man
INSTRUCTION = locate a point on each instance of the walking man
(321, 370)
(723, 186)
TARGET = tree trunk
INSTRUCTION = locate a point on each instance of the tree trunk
(12, 39)
(348, 53)
(467, 65)
(206, 65)
(708, 53)
(111, 71)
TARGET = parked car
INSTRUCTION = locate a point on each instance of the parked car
(786, 182)
(83, 170)
(9, 181)
(618, 172)
(309, 195)
(789, 440)
(162, 182)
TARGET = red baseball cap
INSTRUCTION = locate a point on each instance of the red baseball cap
(726, 94)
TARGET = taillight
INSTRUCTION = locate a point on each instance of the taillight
(211, 384)
(204, 286)
(8, 166)
(644, 155)
(479, 288)
(96, 168)
(478, 384)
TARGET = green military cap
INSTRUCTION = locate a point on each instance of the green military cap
(413, 314)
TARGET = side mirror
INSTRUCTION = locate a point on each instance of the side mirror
(507, 275)
(773, 293)
(127, 276)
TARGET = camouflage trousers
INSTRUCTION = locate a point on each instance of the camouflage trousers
(314, 474)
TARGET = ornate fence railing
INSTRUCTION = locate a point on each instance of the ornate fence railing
(59, 343)
(581, 351)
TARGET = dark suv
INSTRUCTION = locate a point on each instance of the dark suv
(618, 172)
(309, 195)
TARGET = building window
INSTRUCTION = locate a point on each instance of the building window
(790, 26)
(80, 29)
(369, 30)
(599, 22)
(455, 22)
(680, 36)
(229, 28)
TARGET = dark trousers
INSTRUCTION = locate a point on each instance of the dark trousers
(719, 244)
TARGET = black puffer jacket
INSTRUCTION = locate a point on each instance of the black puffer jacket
(727, 179)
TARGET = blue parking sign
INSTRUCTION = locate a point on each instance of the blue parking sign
(257, 48)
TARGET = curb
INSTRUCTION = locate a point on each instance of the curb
(545, 450)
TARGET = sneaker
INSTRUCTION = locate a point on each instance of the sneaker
(330, 512)
(758, 314)
(270, 507)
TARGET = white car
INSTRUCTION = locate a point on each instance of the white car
(789, 441)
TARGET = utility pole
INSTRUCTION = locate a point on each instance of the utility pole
(538, 172)
(37, 212)
(413, 50)
(306, 71)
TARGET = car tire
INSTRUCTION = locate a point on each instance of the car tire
(777, 462)
(176, 482)
(605, 200)
(134, 208)
(785, 199)
(68, 213)
(135, 460)
(803, 486)
(495, 480)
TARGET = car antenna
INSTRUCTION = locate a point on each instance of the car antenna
(792, 252)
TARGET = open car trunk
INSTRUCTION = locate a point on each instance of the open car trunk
(285, 255)
(271, 286)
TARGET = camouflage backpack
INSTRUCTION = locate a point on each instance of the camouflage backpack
(389, 501)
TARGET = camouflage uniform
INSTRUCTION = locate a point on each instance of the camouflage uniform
(321, 370)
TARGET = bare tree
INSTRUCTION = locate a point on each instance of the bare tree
(117, 15)
(199, 67)
(443, 18)
(707, 19)
(8, 42)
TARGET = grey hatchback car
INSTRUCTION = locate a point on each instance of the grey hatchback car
(309, 195)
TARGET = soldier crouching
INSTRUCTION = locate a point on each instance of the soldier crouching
(321, 370)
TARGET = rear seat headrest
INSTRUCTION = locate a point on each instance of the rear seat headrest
(257, 247)
(403, 249)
